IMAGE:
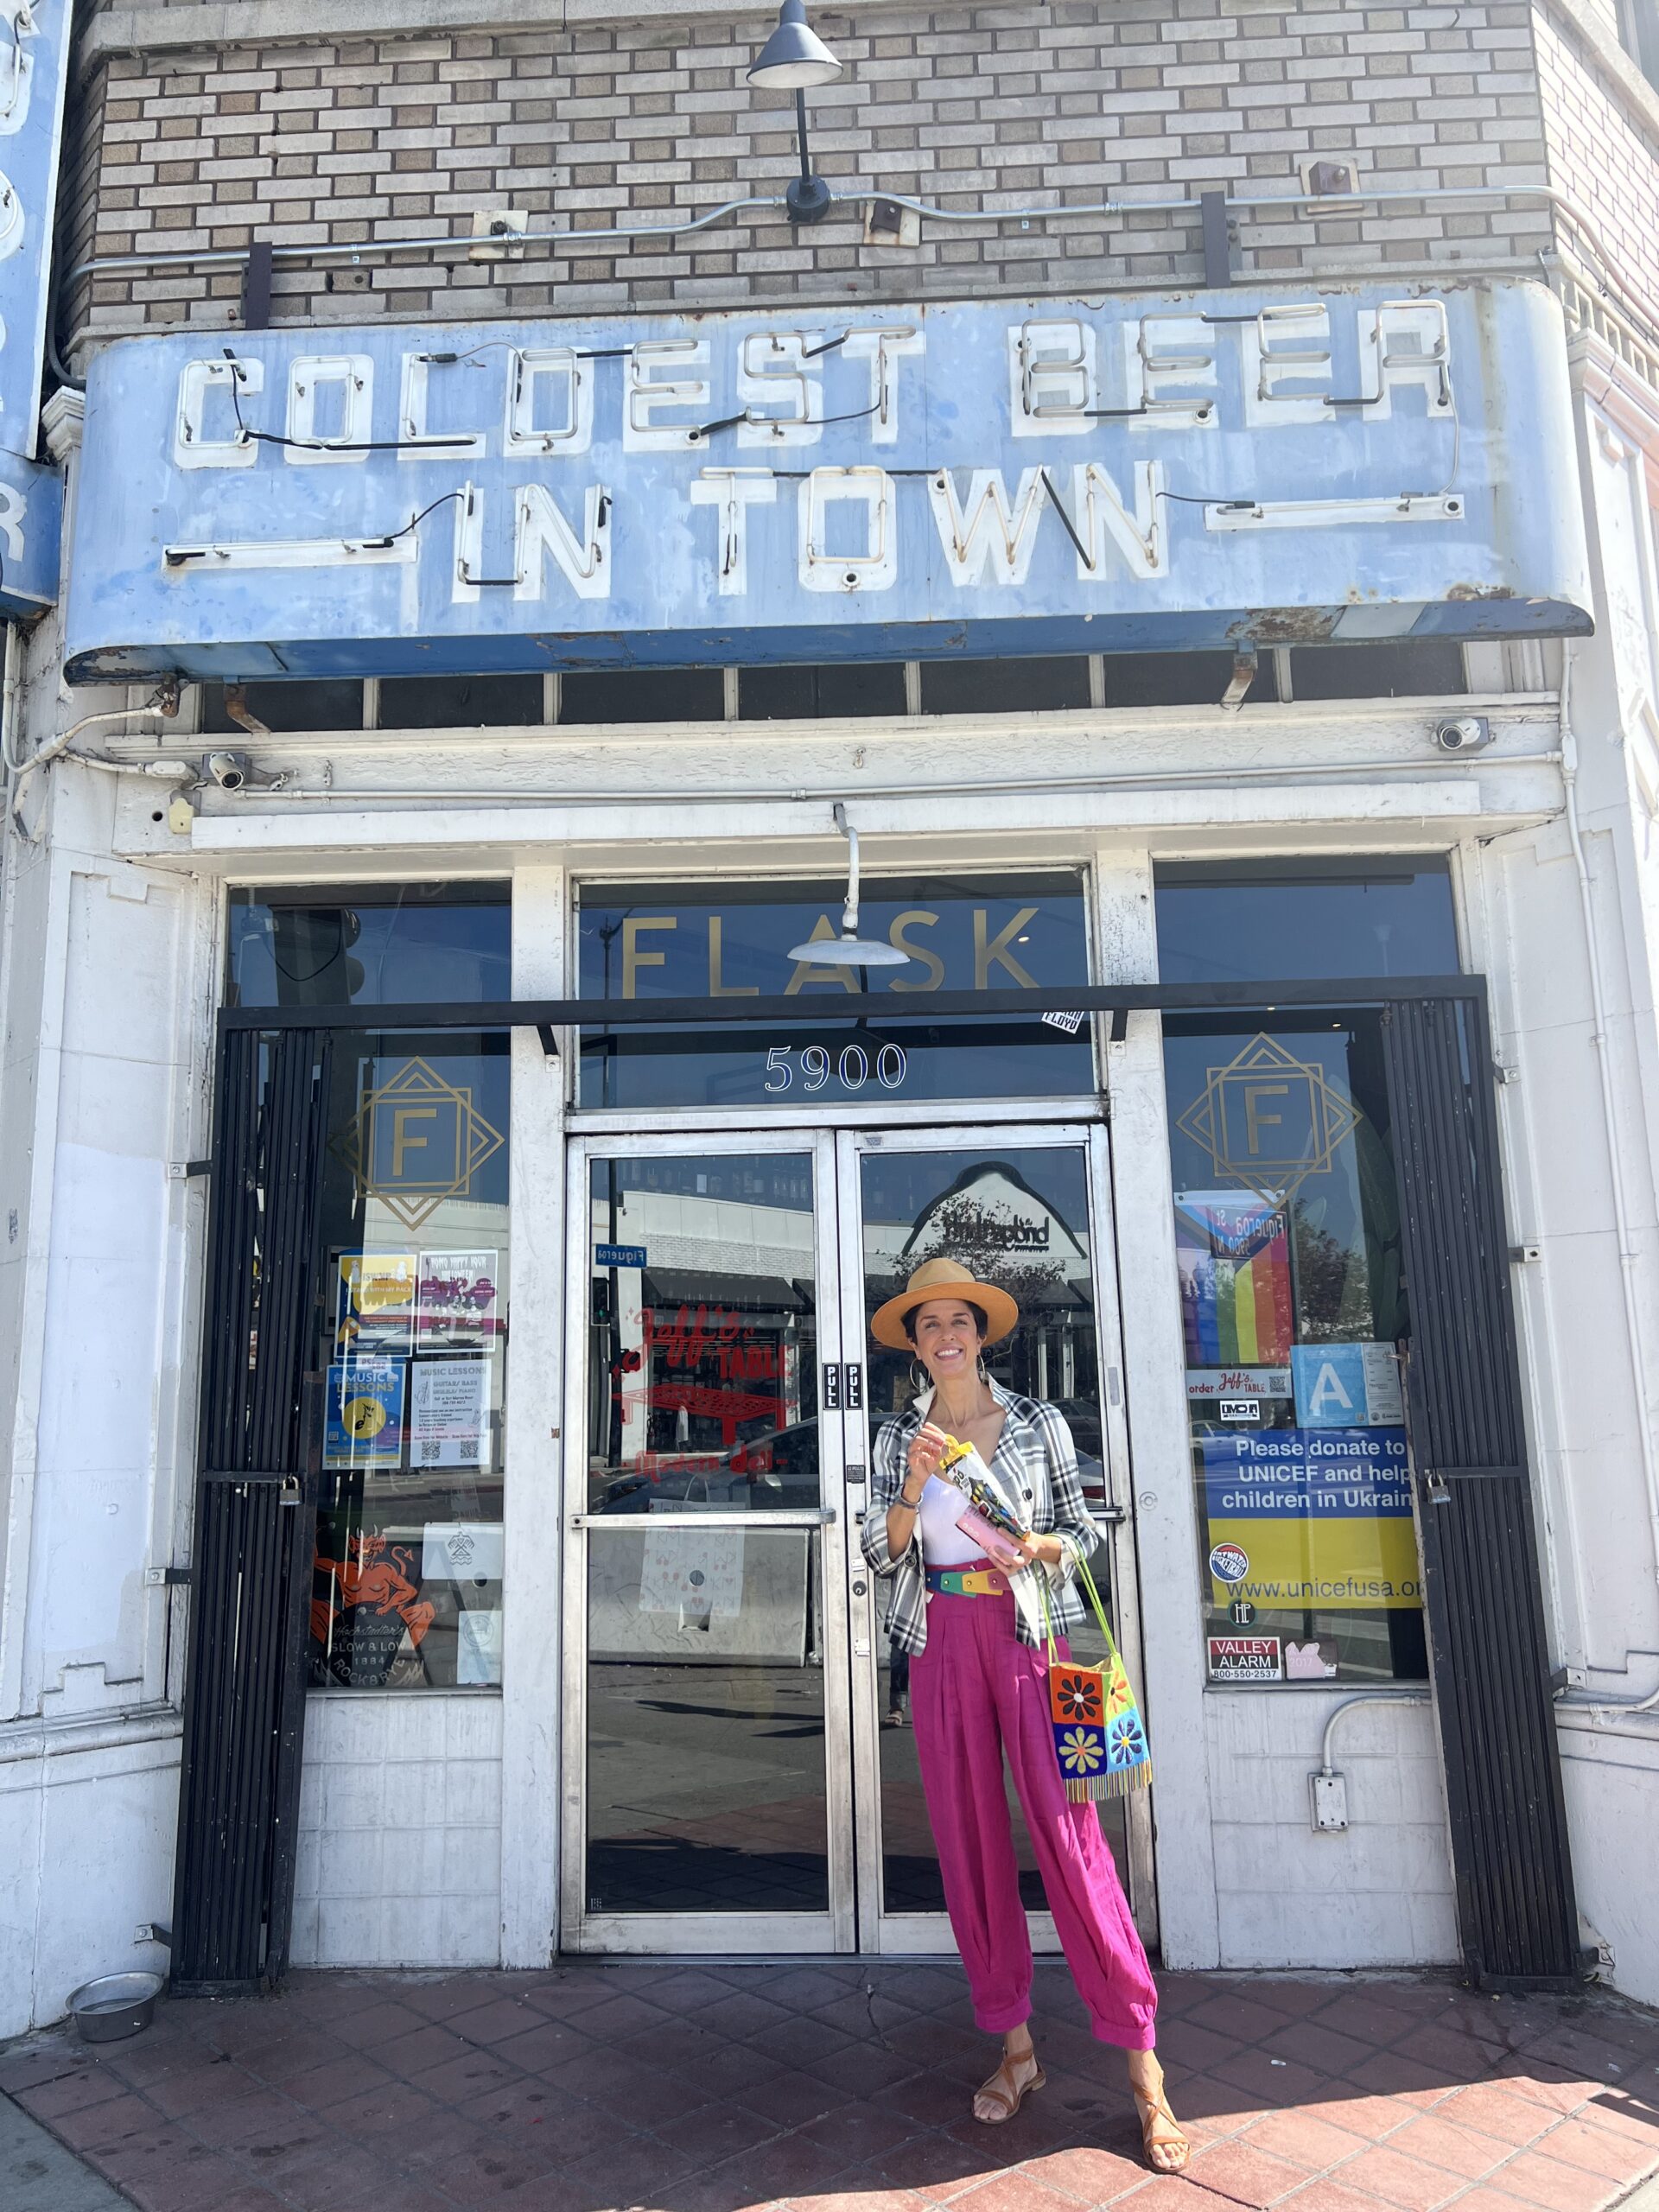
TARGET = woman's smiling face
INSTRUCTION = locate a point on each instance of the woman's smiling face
(947, 1338)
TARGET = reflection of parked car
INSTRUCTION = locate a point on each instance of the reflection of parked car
(778, 1469)
(785, 1463)
(789, 1456)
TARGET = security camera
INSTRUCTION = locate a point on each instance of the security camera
(228, 770)
(1466, 733)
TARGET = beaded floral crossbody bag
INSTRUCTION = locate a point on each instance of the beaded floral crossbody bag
(1100, 1739)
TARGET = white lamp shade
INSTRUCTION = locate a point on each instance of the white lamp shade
(850, 952)
(794, 58)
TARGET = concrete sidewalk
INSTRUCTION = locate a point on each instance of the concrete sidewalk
(839, 2087)
(37, 2174)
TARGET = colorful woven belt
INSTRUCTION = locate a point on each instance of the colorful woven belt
(967, 1581)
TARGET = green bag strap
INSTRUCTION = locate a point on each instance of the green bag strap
(1088, 1582)
(1046, 1616)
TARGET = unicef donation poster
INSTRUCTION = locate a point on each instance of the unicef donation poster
(365, 1422)
(1306, 1518)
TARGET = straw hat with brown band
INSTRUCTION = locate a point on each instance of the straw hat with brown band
(943, 1279)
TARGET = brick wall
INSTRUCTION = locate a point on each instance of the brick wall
(1063, 103)
(1603, 135)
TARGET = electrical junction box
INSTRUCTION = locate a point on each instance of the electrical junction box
(1327, 177)
(1329, 1804)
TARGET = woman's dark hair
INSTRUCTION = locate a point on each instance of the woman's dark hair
(981, 1319)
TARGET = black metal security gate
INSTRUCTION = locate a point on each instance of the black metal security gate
(256, 1520)
(1488, 1651)
(256, 1499)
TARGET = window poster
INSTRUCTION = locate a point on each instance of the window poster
(691, 1572)
(375, 1301)
(458, 1301)
(1311, 1518)
(478, 1648)
(449, 1413)
(364, 1426)
(1233, 1251)
(1347, 1386)
(462, 1551)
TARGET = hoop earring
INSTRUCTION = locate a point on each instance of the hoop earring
(920, 1380)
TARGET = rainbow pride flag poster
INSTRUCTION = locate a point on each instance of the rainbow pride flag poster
(1234, 1255)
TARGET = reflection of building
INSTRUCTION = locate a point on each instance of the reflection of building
(705, 1350)
(990, 1217)
(1274, 616)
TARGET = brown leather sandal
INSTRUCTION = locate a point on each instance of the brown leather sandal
(1175, 2148)
(1002, 2088)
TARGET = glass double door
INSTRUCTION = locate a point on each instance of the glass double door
(740, 1771)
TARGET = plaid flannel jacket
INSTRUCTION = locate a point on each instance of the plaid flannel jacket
(1035, 1460)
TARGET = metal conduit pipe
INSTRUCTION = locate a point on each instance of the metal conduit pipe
(1366, 1697)
(1150, 779)
(1504, 195)
(57, 746)
(233, 257)
(1627, 1251)
(11, 761)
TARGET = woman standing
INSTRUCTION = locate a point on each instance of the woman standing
(979, 1692)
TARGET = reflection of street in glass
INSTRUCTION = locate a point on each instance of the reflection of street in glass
(706, 1790)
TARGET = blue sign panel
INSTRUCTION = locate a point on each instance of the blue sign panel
(618, 1255)
(1279, 1474)
(32, 74)
(1139, 474)
(31, 526)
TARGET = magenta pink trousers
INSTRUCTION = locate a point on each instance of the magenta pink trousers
(978, 1693)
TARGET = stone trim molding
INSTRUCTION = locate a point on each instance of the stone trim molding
(270, 22)
(1623, 78)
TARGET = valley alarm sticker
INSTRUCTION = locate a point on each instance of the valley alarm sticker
(1229, 1563)
(1245, 1659)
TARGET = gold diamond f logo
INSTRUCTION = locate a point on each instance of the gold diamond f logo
(413, 1141)
(1269, 1119)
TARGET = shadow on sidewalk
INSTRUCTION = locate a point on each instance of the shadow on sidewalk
(845, 2087)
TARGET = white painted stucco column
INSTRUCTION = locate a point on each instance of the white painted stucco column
(535, 1460)
(1162, 1507)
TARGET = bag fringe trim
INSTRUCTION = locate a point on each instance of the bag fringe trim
(1096, 1789)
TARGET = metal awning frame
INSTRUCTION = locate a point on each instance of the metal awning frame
(1116, 1000)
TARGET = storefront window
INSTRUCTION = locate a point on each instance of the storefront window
(405, 1396)
(1293, 1314)
(370, 945)
(1261, 921)
(410, 1353)
(733, 941)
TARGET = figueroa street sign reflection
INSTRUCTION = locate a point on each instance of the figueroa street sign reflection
(1138, 474)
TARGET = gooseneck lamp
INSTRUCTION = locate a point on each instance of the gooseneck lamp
(849, 950)
(795, 60)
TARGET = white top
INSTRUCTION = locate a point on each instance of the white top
(943, 1543)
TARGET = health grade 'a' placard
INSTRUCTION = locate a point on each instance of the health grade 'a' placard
(1322, 1517)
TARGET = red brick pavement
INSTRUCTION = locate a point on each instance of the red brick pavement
(844, 2088)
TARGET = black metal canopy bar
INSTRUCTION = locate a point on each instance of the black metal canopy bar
(1118, 1000)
